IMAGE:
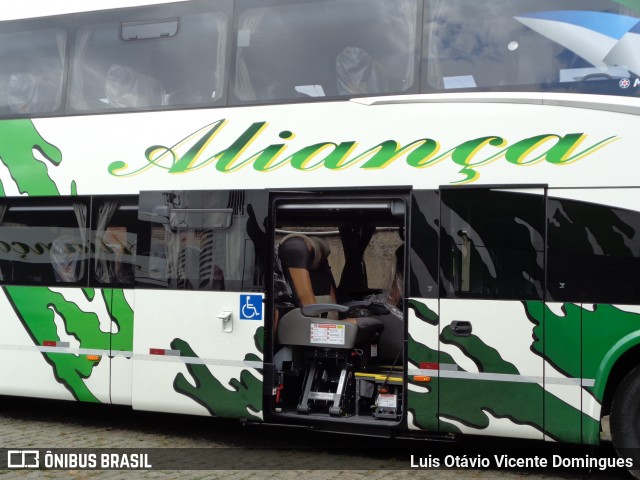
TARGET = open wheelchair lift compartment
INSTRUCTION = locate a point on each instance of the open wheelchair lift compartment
(337, 357)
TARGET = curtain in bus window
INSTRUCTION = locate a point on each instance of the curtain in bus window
(325, 48)
(249, 23)
(67, 250)
(221, 27)
(78, 100)
(105, 212)
(80, 210)
(570, 45)
(31, 71)
(409, 12)
(114, 240)
(43, 241)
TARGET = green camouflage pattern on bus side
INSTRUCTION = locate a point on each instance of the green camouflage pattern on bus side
(240, 399)
(466, 402)
(37, 307)
(597, 343)
(512, 400)
(423, 406)
(18, 140)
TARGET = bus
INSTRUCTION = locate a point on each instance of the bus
(404, 218)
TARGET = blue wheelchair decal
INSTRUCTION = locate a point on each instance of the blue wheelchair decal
(250, 307)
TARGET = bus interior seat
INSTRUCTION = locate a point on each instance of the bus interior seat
(126, 88)
(26, 94)
(329, 341)
(358, 73)
(295, 328)
(391, 343)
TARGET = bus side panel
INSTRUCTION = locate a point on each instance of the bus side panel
(492, 384)
(56, 343)
(592, 265)
(121, 305)
(583, 343)
(423, 358)
(422, 313)
(188, 360)
(24, 370)
(562, 371)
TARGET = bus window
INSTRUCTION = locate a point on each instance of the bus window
(594, 251)
(44, 241)
(114, 240)
(201, 240)
(423, 246)
(324, 48)
(571, 45)
(31, 71)
(140, 61)
(492, 245)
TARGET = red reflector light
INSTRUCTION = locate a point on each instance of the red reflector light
(156, 351)
(49, 343)
(428, 366)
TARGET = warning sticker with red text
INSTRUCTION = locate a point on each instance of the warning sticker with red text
(327, 333)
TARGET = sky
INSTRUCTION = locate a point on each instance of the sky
(41, 8)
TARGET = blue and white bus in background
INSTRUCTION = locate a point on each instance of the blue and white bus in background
(390, 217)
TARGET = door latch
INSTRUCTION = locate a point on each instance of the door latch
(227, 320)
(461, 328)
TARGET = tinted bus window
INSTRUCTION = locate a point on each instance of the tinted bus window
(423, 251)
(594, 252)
(202, 240)
(43, 241)
(492, 245)
(568, 45)
(31, 71)
(150, 58)
(324, 49)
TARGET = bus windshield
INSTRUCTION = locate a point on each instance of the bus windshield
(582, 46)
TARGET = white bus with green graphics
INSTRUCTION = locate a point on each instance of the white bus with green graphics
(390, 217)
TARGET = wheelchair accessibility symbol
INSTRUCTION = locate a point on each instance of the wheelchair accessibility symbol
(250, 307)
